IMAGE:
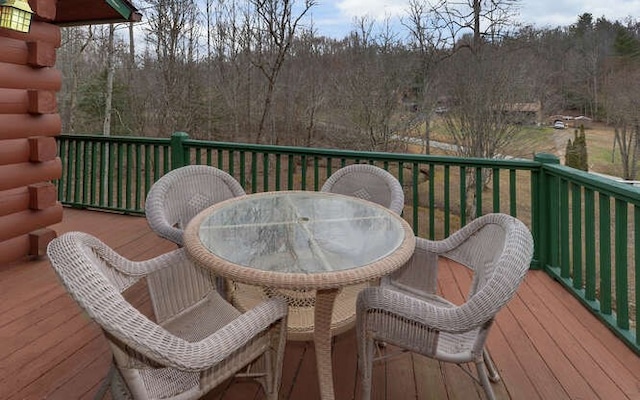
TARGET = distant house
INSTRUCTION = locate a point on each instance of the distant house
(29, 120)
(524, 113)
(581, 121)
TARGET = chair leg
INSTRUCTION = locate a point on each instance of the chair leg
(115, 384)
(365, 355)
(484, 379)
(494, 375)
(106, 383)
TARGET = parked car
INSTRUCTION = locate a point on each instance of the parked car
(558, 125)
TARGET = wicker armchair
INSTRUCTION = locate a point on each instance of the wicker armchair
(367, 182)
(406, 311)
(197, 341)
(179, 195)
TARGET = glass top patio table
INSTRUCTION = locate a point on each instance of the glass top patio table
(288, 239)
(302, 240)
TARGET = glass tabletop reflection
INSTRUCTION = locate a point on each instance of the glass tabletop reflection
(301, 232)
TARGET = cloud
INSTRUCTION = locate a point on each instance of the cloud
(376, 9)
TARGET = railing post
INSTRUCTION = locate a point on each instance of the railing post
(179, 156)
(544, 212)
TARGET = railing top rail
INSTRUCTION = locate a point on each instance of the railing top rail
(366, 155)
(116, 139)
(617, 189)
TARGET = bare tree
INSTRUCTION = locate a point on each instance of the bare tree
(75, 41)
(428, 43)
(171, 29)
(106, 128)
(622, 103)
(368, 88)
(274, 34)
(486, 20)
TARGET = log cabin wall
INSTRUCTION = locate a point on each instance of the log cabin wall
(29, 123)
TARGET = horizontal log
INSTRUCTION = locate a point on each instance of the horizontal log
(37, 196)
(39, 31)
(16, 126)
(35, 54)
(14, 101)
(14, 76)
(16, 175)
(33, 149)
(14, 200)
(14, 249)
(21, 101)
(13, 51)
(20, 223)
(14, 151)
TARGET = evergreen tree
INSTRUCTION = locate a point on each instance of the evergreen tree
(576, 151)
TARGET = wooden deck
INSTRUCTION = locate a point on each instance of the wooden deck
(545, 344)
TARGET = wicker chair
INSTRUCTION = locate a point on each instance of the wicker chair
(199, 339)
(405, 310)
(367, 182)
(180, 194)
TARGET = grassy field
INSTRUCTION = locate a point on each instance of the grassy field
(548, 140)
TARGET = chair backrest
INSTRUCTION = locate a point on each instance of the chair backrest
(182, 193)
(367, 182)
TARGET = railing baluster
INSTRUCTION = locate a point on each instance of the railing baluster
(513, 193)
(432, 200)
(621, 267)
(563, 232)
(590, 244)
(636, 266)
(605, 253)
(576, 236)
(463, 196)
(479, 191)
(447, 200)
(495, 177)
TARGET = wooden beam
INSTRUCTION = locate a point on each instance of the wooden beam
(41, 54)
(42, 102)
(38, 241)
(42, 148)
(42, 195)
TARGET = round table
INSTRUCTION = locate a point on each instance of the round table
(292, 241)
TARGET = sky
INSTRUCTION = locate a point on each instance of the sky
(335, 18)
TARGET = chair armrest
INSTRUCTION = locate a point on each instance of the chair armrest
(143, 268)
(175, 352)
(455, 319)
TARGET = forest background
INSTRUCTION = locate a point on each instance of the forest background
(256, 71)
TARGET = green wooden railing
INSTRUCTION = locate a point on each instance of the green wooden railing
(586, 228)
